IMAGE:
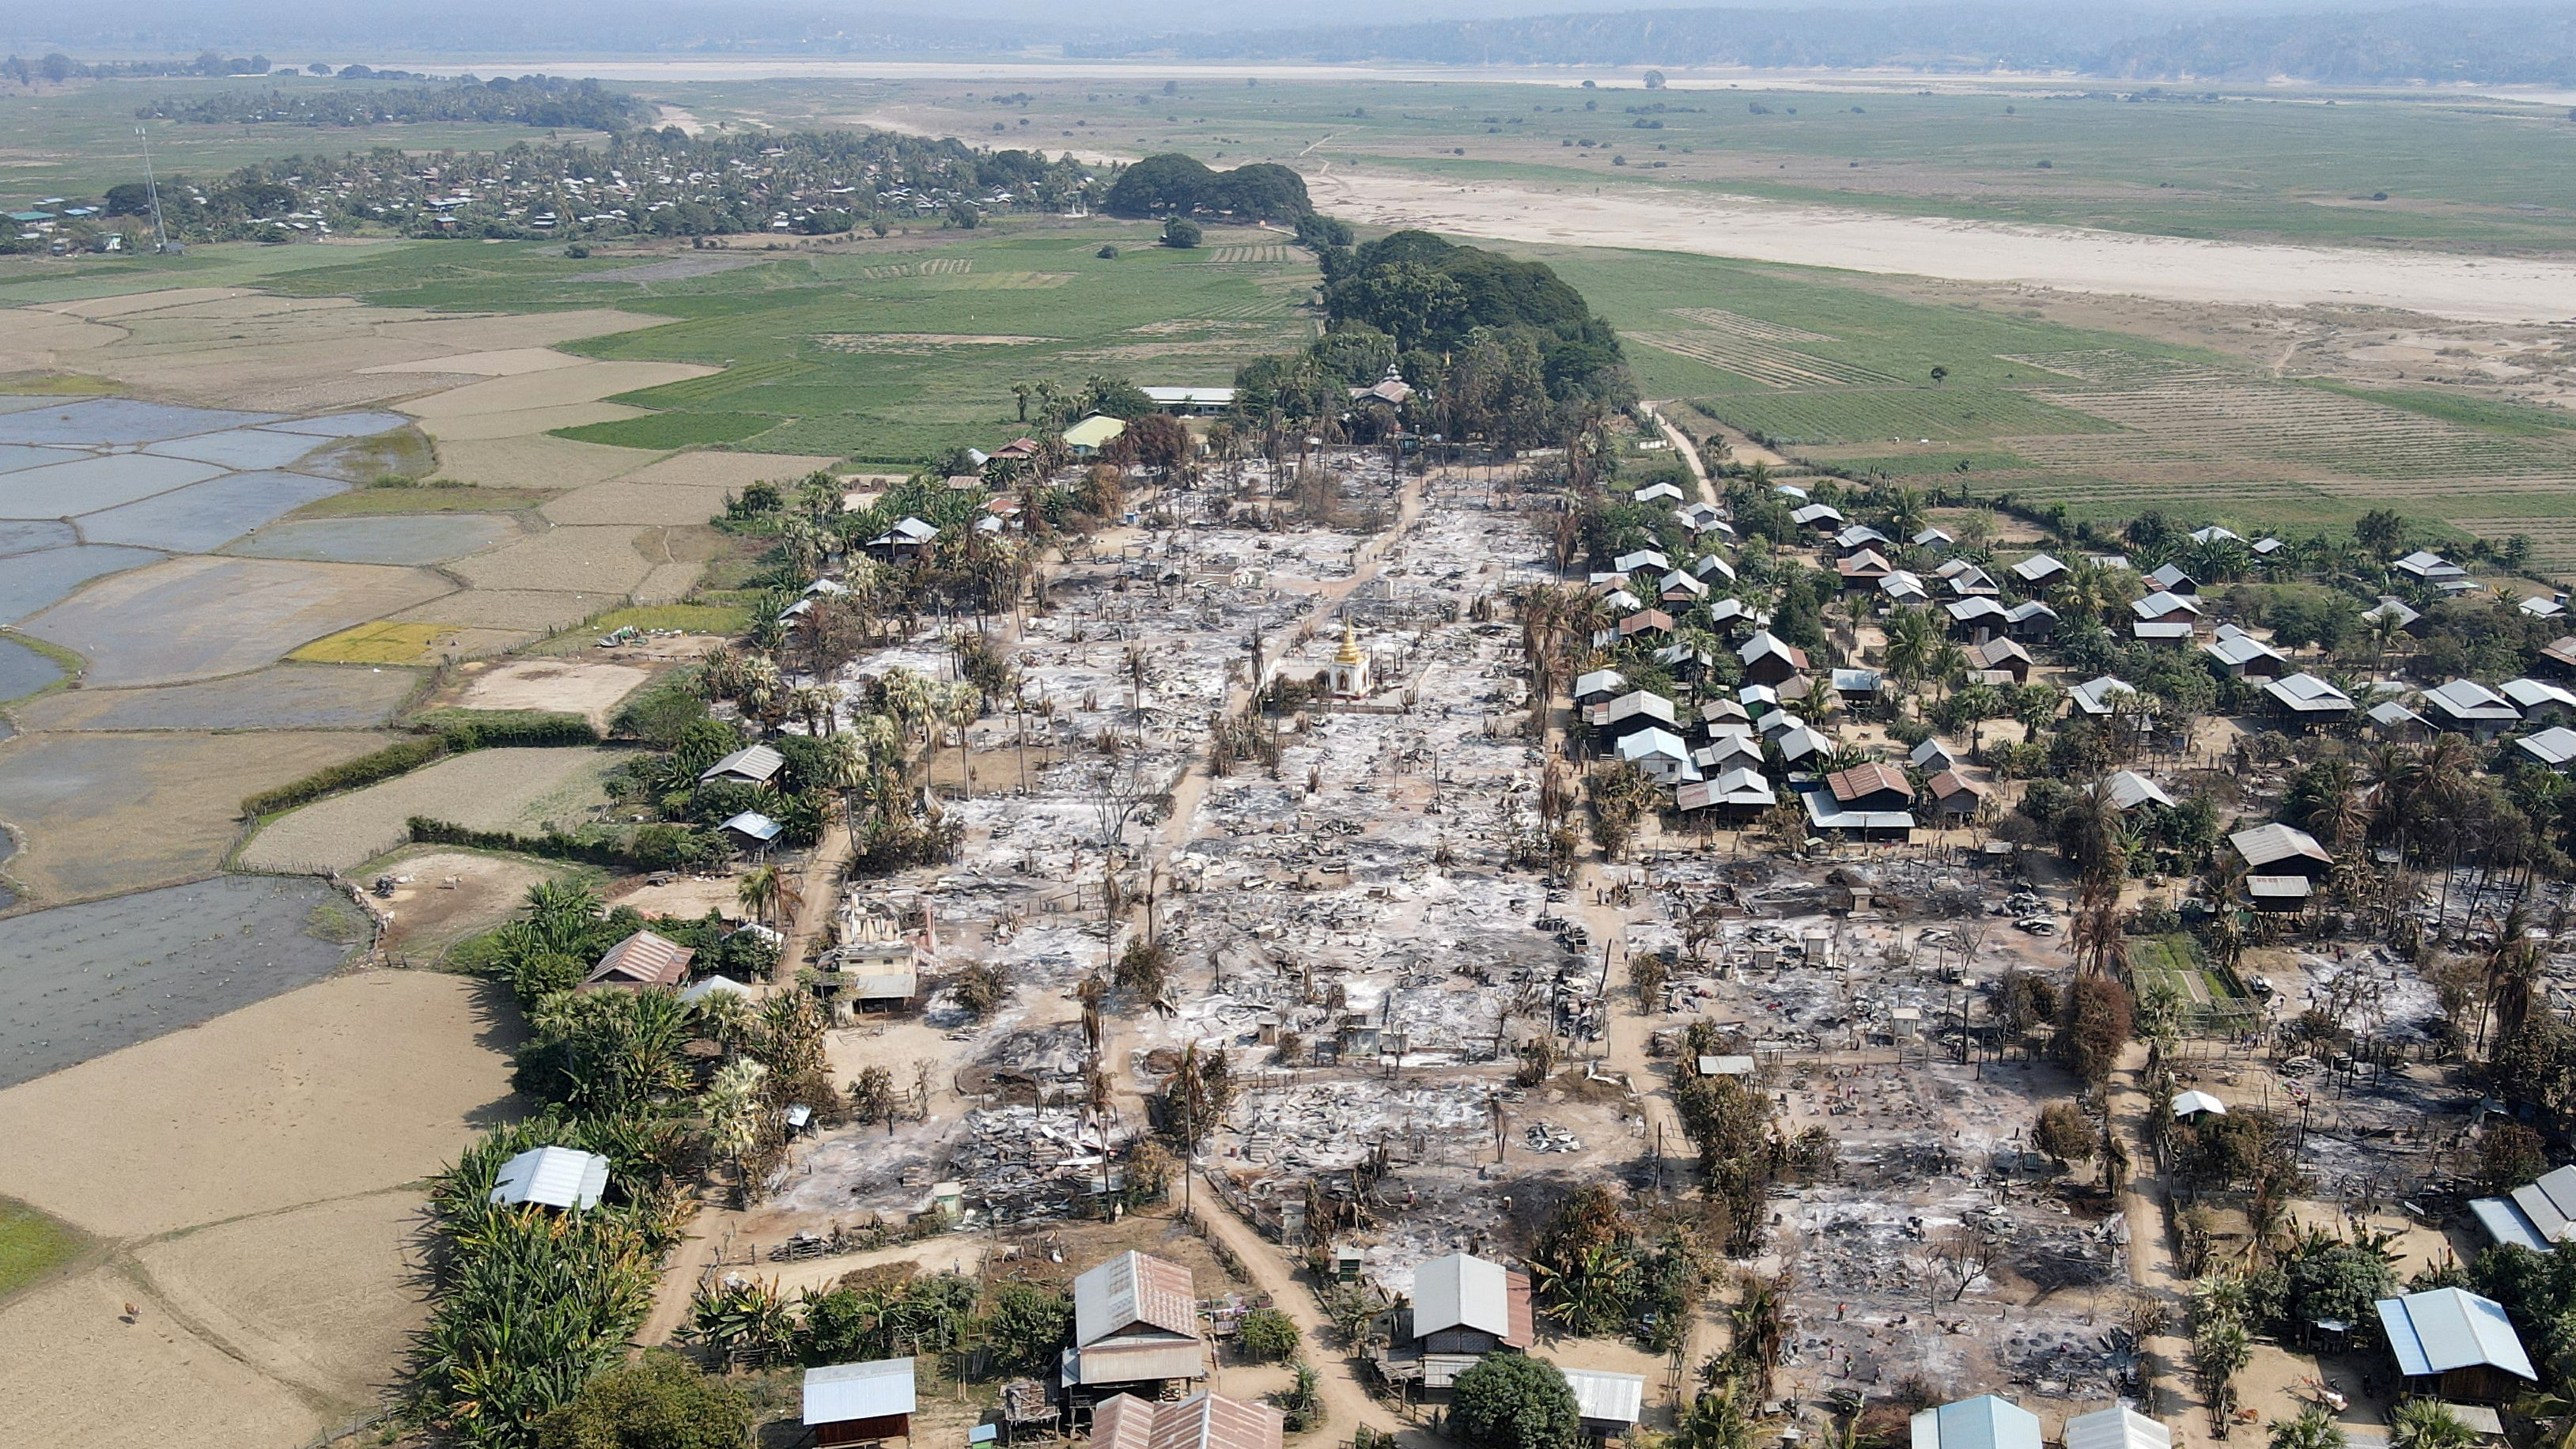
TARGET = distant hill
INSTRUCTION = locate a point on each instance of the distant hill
(2496, 45)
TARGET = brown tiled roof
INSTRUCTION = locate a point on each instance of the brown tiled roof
(1951, 782)
(1202, 1421)
(643, 959)
(1863, 781)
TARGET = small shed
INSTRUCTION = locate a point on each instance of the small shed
(750, 765)
(752, 831)
(2455, 1343)
(2117, 1427)
(1608, 1403)
(555, 1177)
(1984, 1422)
(860, 1403)
(2190, 1105)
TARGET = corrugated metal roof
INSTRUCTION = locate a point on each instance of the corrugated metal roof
(1726, 1066)
(1202, 1421)
(1132, 1289)
(561, 1177)
(2187, 1104)
(882, 985)
(755, 763)
(1984, 1422)
(2450, 1328)
(2116, 1427)
(2268, 844)
(1599, 1394)
(1459, 1291)
(2506, 1224)
(1135, 1360)
(844, 1391)
(643, 959)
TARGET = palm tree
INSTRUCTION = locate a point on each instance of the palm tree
(2314, 1428)
(2426, 1423)
(1021, 392)
(758, 891)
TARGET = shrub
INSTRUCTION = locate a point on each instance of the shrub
(481, 729)
(1268, 1335)
(1181, 232)
(659, 1402)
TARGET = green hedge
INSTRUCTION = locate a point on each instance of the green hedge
(399, 758)
(482, 729)
(677, 850)
(448, 731)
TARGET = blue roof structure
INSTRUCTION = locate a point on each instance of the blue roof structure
(2452, 1328)
(1984, 1422)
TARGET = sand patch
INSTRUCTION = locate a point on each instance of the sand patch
(2254, 274)
(321, 1297)
(101, 813)
(622, 500)
(351, 1085)
(505, 789)
(198, 618)
(728, 470)
(534, 462)
(509, 362)
(49, 342)
(586, 382)
(580, 560)
(442, 896)
(529, 422)
(76, 1377)
(524, 612)
(589, 689)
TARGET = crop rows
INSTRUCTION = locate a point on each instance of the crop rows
(1718, 319)
(1877, 415)
(935, 266)
(1763, 362)
(1227, 255)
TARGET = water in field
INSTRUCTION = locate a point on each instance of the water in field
(23, 671)
(81, 981)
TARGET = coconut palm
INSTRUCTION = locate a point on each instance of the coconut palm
(2314, 1428)
(758, 891)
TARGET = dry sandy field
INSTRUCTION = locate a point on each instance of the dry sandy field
(506, 789)
(442, 896)
(248, 1180)
(2485, 289)
(105, 813)
(568, 686)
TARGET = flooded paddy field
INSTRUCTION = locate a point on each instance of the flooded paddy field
(80, 981)
(286, 697)
(23, 671)
(197, 618)
(392, 539)
(33, 582)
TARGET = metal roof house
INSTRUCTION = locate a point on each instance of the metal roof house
(1769, 660)
(1201, 1421)
(2538, 1215)
(1644, 560)
(2242, 655)
(752, 830)
(2465, 706)
(1658, 754)
(2172, 580)
(1190, 399)
(1656, 493)
(2429, 566)
(1984, 1422)
(860, 1403)
(1636, 710)
(1933, 756)
(555, 1177)
(2038, 569)
(644, 961)
(1135, 1320)
(2461, 1342)
(1608, 1403)
(2278, 849)
(2307, 700)
(1600, 686)
(1740, 794)
(1093, 434)
(2116, 1428)
(1466, 1307)
(2102, 697)
(2129, 790)
(2553, 748)
(750, 765)
(2540, 703)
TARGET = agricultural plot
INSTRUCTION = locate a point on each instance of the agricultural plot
(587, 688)
(283, 697)
(842, 355)
(23, 671)
(1757, 360)
(377, 643)
(505, 789)
(103, 813)
(87, 980)
(203, 516)
(392, 539)
(201, 617)
(30, 582)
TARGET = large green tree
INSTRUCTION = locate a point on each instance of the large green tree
(1512, 1401)
(659, 1402)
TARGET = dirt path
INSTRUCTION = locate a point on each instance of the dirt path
(1690, 455)
(1346, 1402)
(2151, 1261)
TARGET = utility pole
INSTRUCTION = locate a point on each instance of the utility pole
(152, 189)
